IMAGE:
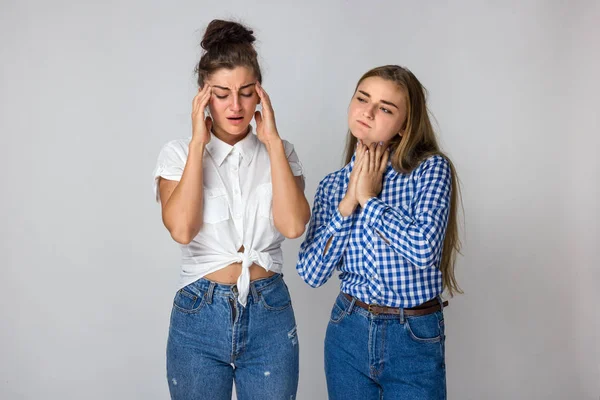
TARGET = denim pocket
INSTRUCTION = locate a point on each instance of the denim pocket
(188, 302)
(426, 328)
(276, 297)
(338, 312)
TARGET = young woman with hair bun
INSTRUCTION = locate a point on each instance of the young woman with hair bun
(230, 196)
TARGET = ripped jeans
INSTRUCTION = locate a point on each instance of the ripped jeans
(214, 341)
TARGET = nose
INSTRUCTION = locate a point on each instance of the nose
(236, 105)
(368, 112)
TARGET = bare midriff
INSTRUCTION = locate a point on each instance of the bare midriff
(230, 274)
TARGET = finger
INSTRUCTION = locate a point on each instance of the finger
(209, 122)
(258, 118)
(384, 160)
(195, 101)
(378, 153)
(205, 97)
(357, 164)
(264, 98)
(364, 163)
(358, 152)
(372, 156)
(363, 149)
(259, 90)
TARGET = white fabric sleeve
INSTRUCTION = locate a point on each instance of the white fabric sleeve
(170, 164)
(292, 157)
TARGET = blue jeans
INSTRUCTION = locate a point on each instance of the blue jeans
(384, 356)
(214, 341)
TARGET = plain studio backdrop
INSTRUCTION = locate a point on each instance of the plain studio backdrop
(90, 91)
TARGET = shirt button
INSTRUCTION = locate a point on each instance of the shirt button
(234, 168)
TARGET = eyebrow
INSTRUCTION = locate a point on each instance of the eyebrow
(243, 87)
(389, 103)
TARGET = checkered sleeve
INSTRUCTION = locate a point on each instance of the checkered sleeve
(315, 265)
(419, 237)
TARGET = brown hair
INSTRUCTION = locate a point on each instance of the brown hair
(417, 143)
(227, 44)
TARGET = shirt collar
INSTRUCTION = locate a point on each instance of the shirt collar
(219, 150)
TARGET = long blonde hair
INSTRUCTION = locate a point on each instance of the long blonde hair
(417, 143)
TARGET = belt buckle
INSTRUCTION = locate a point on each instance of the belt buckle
(371, 310)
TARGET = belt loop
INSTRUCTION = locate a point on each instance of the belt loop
(441, 301)
(209, 293)
(351, 306)
(402, 320)
(254, 292)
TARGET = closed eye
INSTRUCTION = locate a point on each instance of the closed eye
(221, 97)
(360, 99)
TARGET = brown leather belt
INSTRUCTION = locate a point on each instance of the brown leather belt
(428, 307)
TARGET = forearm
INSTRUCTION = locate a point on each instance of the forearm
(321, 253)
(291, 211)
(418, 239)
(183, 213)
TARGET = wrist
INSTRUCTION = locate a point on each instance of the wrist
(362, 200)
(196, 146)
(274, 143)
(347, 206)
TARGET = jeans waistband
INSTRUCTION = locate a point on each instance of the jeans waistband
(204, 285)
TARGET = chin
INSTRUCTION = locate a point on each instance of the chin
(237, 130)
(358, 132)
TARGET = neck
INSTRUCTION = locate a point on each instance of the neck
(369, 143)
(229, 138)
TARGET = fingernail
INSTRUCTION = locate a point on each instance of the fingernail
(381, 143)
(389, 149)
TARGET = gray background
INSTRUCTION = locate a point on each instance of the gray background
(90, 91)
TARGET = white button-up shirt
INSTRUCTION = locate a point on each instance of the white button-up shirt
(237, 208)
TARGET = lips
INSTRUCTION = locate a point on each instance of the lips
(363, 124)
(235, 120)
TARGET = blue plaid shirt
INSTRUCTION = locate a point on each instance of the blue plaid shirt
(389, 251)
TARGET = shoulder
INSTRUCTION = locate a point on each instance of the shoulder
(436, 163)
(175, 150)
(333, 181)
(177, 146)
(434, 168)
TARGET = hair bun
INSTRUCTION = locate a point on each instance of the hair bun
(219, 33)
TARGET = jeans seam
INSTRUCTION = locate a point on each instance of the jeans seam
(370, 349)
(242, 333)
(233, 307)
(382, 351)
